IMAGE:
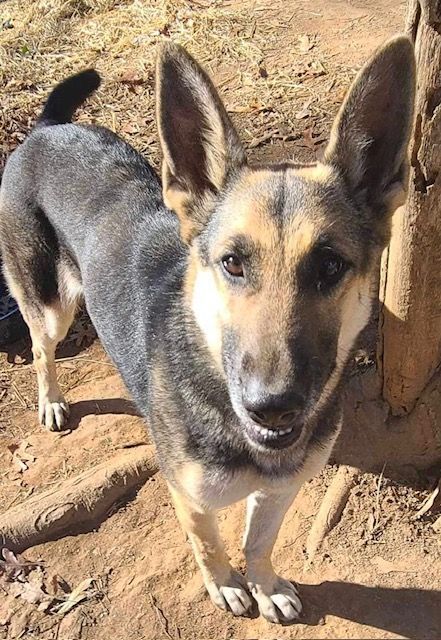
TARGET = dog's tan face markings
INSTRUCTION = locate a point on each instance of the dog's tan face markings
(261, 313)
(253, 202)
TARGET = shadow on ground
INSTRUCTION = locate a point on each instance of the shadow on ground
(411, 613)
(113, 406)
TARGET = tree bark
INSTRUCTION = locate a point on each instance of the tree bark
(410, 289)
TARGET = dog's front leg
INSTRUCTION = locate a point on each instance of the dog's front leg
(276, 597)
(227, 588)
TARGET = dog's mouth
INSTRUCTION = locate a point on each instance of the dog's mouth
(275, 438)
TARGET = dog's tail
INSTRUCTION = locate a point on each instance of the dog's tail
(67, 97)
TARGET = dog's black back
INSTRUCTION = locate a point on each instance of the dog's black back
(106, 214)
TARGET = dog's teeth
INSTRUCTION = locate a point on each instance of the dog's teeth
(262, 430)
(283, 432)
(271, 433)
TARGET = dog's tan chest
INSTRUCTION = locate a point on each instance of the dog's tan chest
(217, 488)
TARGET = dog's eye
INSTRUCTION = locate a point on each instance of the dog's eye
(233, 265)
(331, 269)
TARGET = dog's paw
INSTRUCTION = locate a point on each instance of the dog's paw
(53, 415)
(231, 594)
(277, 599)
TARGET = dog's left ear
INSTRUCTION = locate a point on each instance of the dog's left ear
(369, 138)
(199, 143)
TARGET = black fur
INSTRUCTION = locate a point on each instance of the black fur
(68, 96)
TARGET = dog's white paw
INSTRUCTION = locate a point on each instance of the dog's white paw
(231, 594)
(53, 415)
(277, 599)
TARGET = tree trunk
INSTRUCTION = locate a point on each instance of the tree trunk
(410, 291)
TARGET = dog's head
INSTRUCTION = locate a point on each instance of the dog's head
(283, 257)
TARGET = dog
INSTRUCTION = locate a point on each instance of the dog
(229, 295)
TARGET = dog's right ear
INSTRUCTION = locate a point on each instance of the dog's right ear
(199, 143)
(370, 135)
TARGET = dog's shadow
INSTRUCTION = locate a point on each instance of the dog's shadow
(409, 613)
(111, 406)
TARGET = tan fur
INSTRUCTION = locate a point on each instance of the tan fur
(45, 337)
(201, 529)
(263, 317)
(355, 309)
(178, 201)
(319, 172)
(190, 478)
(70, 287)
(215, 491)
(300, 239)
(200, 493)
(266, 510)
(203, 299)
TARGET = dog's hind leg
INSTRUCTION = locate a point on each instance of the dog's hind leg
(46, 284)
(52, 407)
(227, 588)
(48, 325)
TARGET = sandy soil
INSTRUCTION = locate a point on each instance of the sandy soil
(378, 574)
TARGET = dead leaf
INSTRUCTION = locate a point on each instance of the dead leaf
(14, 567)
(58, 583)
(19, 464)
(79, 594)
(305, 43)
(304, 111)
(31, 593)
(129, 128)
(130, 76)
(428, 502)
(11, 565)
(309, 140)
(20, 457)
(252, 107)
(82, 332)
(257, 142)
(317, 68)
(25, 455)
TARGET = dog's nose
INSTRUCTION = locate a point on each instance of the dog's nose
(274, 410)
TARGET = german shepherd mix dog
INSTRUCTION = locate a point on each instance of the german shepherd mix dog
(229, 297)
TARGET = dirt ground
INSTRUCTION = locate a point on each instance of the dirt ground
(282, 68)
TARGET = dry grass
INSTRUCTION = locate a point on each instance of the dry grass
(270, 92)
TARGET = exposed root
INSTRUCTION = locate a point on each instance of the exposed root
(78, 503)
(331, 508)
